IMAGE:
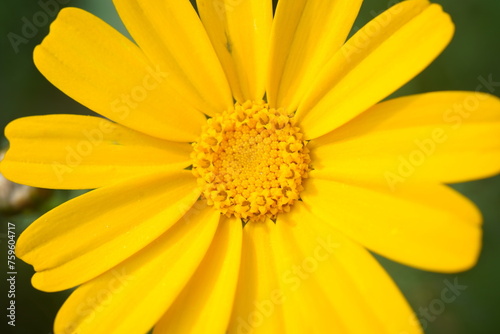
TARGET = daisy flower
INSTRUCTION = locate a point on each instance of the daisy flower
(244, 167)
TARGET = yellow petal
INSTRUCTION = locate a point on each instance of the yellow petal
(131, 297)
(239, 31)
(257, 306)
(381, 57)
(338, 282)
(98, 67)
(429, 226)
(305, 308)
(171, 34)
(209, 295)
(84, 152)
(305, 35)
(88, 235)
(436, 137)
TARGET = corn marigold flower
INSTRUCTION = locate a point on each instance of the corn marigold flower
(244, 166)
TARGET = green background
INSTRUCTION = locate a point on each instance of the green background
(474, 52)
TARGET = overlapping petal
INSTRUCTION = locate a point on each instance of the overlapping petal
(339, 279)
(100, 68)
(94, 232)
(381, 57)
(132, 296)
(305, 35)
(171, 34)
(84, 152)
(441, 137)
(239, 31)
(210, 293)
(257, 306)
(430, 227)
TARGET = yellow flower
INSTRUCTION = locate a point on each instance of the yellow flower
(245, 165)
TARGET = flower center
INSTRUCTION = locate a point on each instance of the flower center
(250, 161)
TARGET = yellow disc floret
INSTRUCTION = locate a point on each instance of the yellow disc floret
(250, 161)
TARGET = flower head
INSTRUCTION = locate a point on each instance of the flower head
(250, 162)
(244, 166)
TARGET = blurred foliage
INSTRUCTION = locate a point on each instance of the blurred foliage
(473, 53)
